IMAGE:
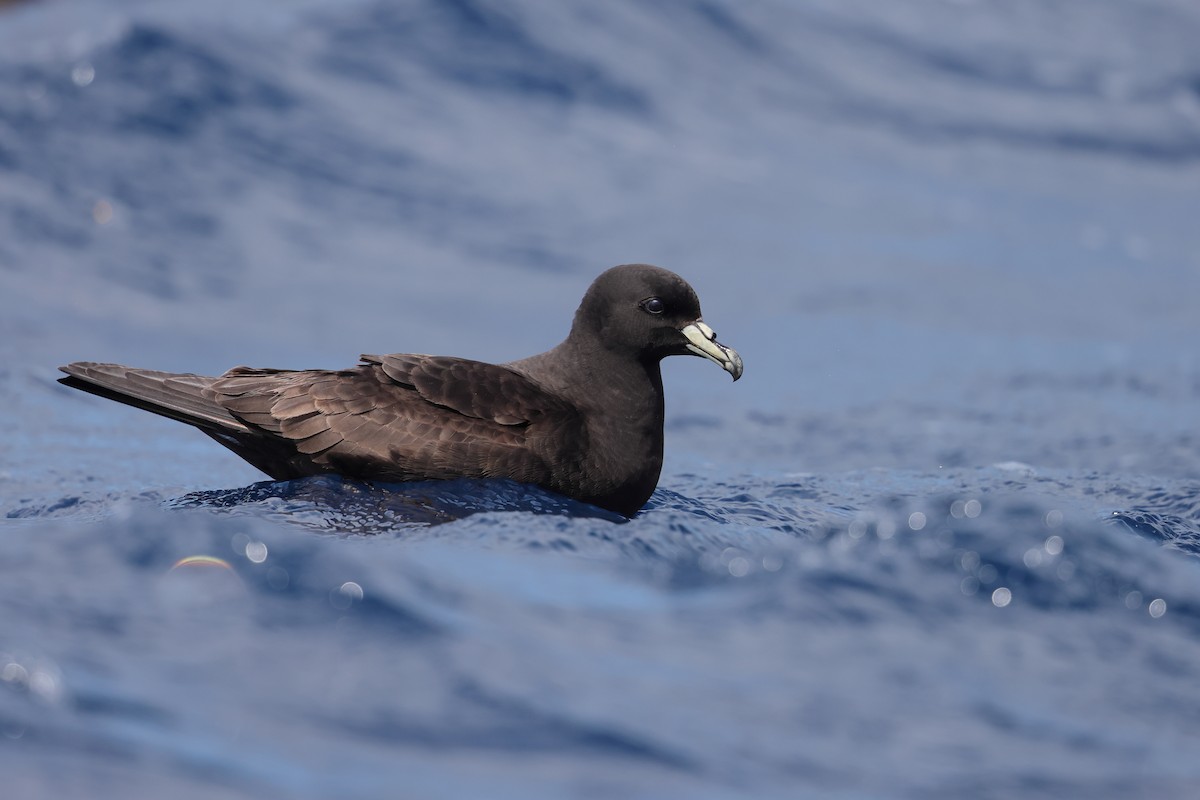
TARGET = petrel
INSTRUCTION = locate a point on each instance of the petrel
(584, 419)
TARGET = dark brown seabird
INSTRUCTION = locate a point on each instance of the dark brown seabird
(584, 419)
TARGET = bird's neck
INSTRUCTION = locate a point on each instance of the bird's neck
(621, 400)
(599, 380)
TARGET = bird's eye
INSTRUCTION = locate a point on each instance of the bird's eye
(654, 305)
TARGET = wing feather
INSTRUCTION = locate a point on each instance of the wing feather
(472, 388)
(319, 442)
(405, 417)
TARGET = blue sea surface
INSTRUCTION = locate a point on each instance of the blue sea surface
(939, 542)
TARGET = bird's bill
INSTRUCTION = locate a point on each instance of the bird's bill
(702, 341)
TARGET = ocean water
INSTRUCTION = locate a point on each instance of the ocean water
(940, 541)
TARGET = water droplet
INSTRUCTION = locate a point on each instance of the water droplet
(14, 673)
(885, 528)
(82, 74)
(256, 552)
(102, 212)
(345, 595)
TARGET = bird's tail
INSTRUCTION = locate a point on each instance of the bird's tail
(180, 396)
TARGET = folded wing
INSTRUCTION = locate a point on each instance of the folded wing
(401, 417)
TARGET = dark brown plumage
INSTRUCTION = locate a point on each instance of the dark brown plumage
(584, 419)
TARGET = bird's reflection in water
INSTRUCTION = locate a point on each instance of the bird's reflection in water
(333, 504)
